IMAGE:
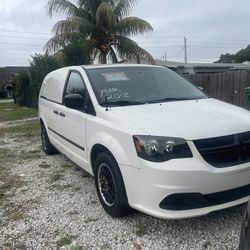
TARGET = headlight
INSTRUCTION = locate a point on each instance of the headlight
(160, 149)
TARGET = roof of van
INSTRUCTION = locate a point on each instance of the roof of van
(95, 66)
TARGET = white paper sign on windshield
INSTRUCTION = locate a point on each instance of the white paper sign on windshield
(114, 77)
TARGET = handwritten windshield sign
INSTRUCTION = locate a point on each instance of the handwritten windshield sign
(113, 93)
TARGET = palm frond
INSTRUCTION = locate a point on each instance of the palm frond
(74, 25)
(105, 16)
(89, 5)
(123, 7)
(129, 49)
(55, 44)
(100, 26)
(132, 26)
(61, 6)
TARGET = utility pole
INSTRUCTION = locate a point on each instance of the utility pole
(165, 56)
(185, 49)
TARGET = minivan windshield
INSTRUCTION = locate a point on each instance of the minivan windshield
(123, 86)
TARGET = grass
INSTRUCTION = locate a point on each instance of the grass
(105, 246)
(44, 165)
(8, 156)
(141, 230)
(56, 175)
(30, 155)
(11, 112)
(90, 220)
(64, 241)
(76, 248)
(61, 187)
(28, 129)
(5, 156)
(10, 183)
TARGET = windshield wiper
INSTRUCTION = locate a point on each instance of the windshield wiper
(170, 99)
(123, 103)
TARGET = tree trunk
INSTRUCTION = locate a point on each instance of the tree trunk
(104, 57)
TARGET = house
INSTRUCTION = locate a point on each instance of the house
(6, 74)
(202, 68)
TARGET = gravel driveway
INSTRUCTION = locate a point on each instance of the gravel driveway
(47, 203)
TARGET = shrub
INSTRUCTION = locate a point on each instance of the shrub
(22, 89)
(40, 66)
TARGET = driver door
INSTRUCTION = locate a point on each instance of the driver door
(72, 125)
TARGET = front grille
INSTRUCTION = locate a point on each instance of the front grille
(225, 151)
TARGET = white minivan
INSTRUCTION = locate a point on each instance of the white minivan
(153, 141)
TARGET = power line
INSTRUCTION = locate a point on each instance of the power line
(195, 37)
(160, 41)
(177, 46)
(7, 55)
(24, 32)
(20, 44)
(193, 42)
(214, 47)
(23, 37)
(141, 36)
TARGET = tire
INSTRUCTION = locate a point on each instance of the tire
(110, 186)
(245, 230)
(48, 148)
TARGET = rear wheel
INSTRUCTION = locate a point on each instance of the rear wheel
(110, 186)
(48, 148)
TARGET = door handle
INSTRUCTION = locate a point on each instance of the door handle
(55, 112)
(62, 114)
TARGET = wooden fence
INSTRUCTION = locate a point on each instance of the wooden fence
(227, 86)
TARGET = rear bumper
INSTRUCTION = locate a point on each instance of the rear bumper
(150, 187)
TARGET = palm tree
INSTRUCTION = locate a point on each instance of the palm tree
(102, 27)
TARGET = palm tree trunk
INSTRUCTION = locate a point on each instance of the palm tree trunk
(104, 57)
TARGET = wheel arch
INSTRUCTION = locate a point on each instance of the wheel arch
(95, 151)
(42, 121)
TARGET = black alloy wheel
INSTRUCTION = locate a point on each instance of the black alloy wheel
(110, 186)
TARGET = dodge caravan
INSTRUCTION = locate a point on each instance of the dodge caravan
(152, 140)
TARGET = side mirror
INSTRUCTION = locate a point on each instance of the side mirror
(74, 101)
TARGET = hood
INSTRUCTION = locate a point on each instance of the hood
(191, 119)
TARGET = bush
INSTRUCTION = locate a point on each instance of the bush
(22, 89)
(27, 84)
(40, 66)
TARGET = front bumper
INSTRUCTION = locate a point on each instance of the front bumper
(150, 184)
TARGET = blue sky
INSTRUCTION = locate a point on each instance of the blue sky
(212, 27)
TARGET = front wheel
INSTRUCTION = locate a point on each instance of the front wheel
(110, 186)
(245, 230)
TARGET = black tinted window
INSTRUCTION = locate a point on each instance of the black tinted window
(75, 85)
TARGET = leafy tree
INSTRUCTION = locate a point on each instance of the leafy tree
(40, 66)
(102, 27)
(74, 54)
(241, 56)
(22, 89)
(3, 80)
